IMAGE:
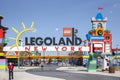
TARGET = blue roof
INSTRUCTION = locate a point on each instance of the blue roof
(99, 16)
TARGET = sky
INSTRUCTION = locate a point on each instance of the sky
(51, 16)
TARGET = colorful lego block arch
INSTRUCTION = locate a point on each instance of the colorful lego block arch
(3, 42)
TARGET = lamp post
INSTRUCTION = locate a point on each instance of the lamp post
(20, 44)
(117, 59)
(18, 59)
(117, 48)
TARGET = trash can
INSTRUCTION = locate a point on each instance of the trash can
(111, 69)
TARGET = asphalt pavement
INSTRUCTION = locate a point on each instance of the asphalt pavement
(53, 72)
(50, 71)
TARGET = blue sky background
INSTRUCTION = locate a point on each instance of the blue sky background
(50, 16)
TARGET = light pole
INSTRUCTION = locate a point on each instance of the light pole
(117, 48)
(20, 44)
(117, 53)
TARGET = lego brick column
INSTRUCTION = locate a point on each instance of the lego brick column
(92, 63)
(3, 65)
(3, 60)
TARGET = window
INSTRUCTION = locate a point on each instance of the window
(107, 37)
(99, 25)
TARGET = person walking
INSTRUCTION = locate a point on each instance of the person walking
(10, 67)
(42, 65)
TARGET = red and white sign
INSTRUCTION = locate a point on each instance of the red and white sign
(48, 48)
(98, 47)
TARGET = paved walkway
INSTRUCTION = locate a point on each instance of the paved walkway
(3, 75)
(84, 71)
(20, 74)
(27, 76)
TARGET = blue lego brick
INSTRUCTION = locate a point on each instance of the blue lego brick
(97, 38)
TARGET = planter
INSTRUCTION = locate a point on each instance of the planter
(111, 69)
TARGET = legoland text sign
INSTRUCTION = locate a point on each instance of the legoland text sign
(48, 48)
(48, 41)
(70, 42)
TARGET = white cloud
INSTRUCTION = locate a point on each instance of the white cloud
(56, 29)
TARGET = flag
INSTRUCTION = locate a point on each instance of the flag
(100, 8)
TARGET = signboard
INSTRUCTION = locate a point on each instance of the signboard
(47, 48)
